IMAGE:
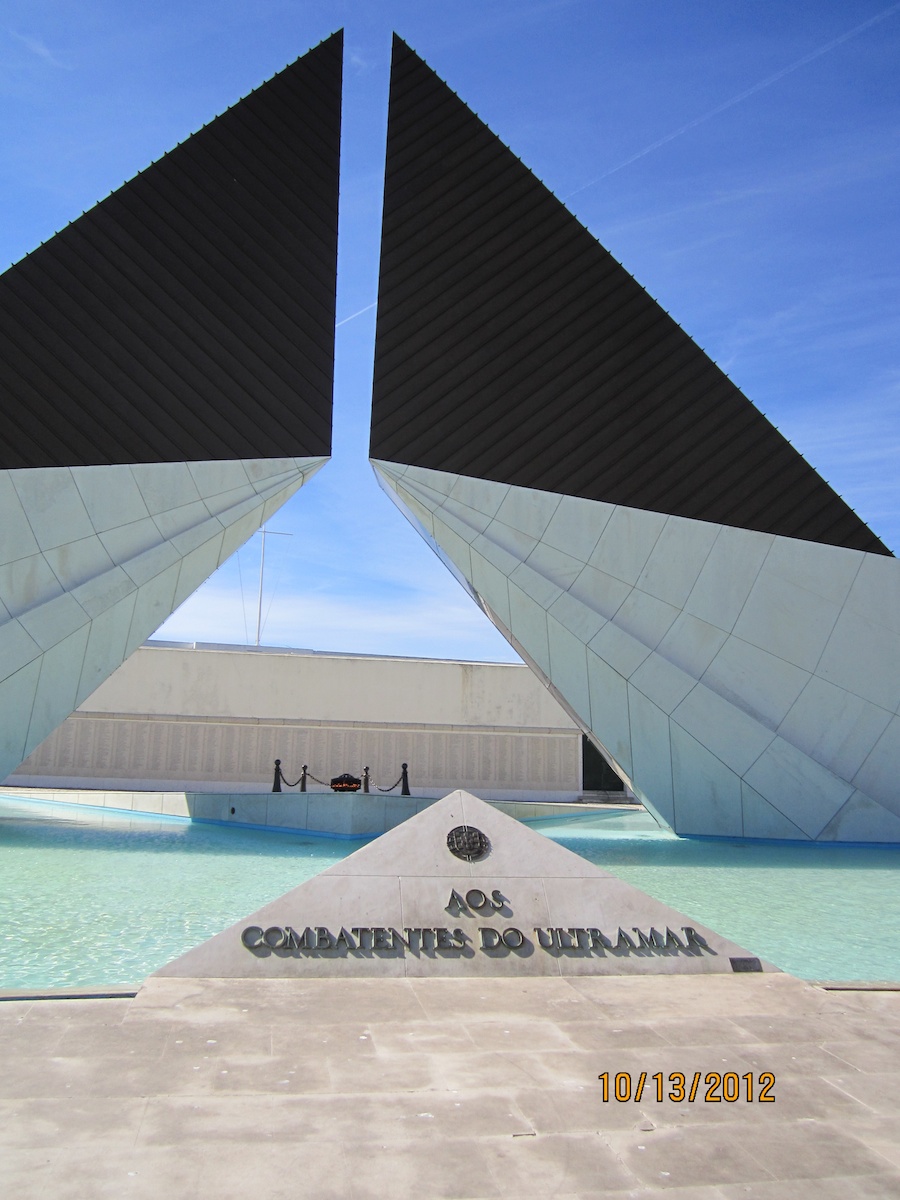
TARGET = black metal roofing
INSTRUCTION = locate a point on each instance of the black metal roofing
(189, 315)
(512, 346)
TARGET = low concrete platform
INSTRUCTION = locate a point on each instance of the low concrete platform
(450, 1088)
(354, 815)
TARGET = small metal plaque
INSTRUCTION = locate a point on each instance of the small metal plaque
(469, 843)
(746, 964)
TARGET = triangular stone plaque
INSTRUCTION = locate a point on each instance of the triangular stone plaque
(462, 890)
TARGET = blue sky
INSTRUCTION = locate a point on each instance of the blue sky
(740, 159)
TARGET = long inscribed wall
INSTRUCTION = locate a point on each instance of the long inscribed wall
(242, 751)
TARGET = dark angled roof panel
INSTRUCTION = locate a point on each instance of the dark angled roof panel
(512, 346)
(189, 315)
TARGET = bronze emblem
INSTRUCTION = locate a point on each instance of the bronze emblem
(469, 843)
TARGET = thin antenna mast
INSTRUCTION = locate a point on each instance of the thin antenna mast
(262, 567)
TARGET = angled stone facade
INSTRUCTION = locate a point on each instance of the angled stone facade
(744, 684)
(166, 373)
(95, 558)
(702, 602)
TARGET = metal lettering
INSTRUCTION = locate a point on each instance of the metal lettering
(596, 938)
(456, 901)
(344, 938)
(252, 936)
(513, 938)
(545, 938)
(694, 938)
(381, 938)
(445, 940)
(490, 938)
(476, 899)
(274, 937)
(653, 939)
(561, 935)
(324, 940)
(292, 941)
(624, 942)
(673, 941)
(497, 900)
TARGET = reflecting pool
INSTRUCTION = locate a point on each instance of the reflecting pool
(99, 898)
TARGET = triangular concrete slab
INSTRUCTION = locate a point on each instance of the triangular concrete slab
(407, 905)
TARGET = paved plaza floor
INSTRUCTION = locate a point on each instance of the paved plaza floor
(452, 1088)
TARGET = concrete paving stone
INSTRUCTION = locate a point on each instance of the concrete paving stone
(79, 1039)
(216, 1040)
(807, 1150)
(357, 1101)
(236, 1171)
(519, 1034)
(668, 1059)
(291, 1000)
(808, 1098)
(34, 1123)
(606, 1036)
(420, 1038)
(881, 1134)
(381, 1074)
(431, 1167)
(866, 1055)
(545, 1165)
(70, 1012)
(687, 1157)
(801, 1058)
(574, 1109)
(335, 1118)
(701, 1031)
(41, 1045)
(818, 1028)
(864, 1187)
(874, 1005)
(557, 998)
(476, 1069)
(29, 1172)
(880, 1092)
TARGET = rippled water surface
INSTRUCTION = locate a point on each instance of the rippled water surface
(821, 912)
(92, 898)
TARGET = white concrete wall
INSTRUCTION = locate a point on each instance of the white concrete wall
(93, 560)
(745, 684)
(229, 681)
(216, 718)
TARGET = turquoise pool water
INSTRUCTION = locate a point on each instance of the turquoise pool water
(93, 898)
(818, 911)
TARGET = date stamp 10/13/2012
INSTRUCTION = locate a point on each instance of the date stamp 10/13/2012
(711, 1088)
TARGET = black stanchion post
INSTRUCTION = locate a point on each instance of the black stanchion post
(366, 780)
(276, 783)
(303, 778)
(404, 789)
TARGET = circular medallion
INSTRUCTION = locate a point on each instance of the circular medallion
(465, 841)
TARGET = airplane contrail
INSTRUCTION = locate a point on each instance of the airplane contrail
(368, 306)
(751, 91)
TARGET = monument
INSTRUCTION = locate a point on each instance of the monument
(704, 605)
(462, 890)
(166, 368)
